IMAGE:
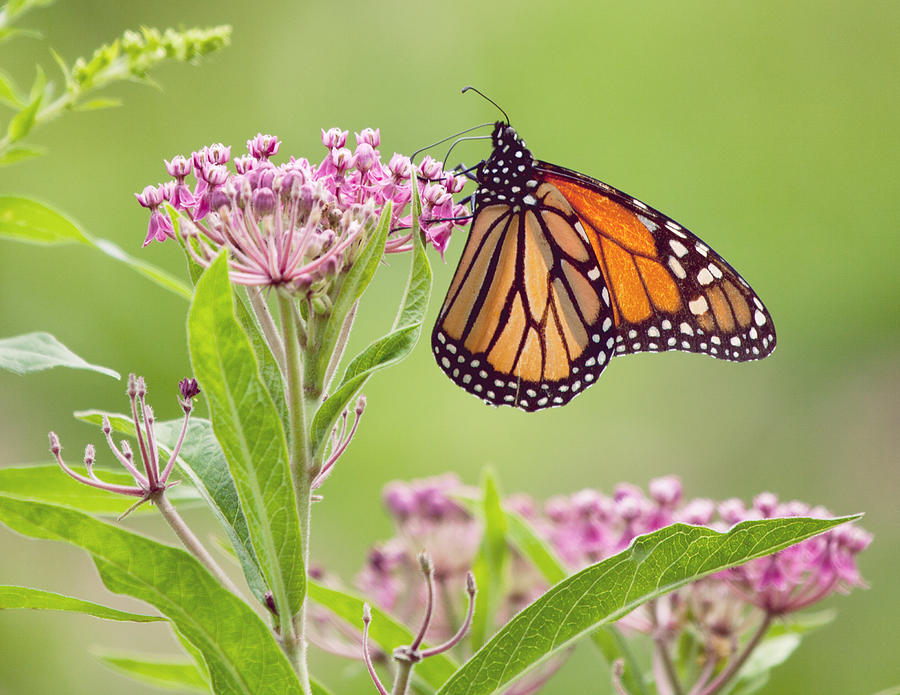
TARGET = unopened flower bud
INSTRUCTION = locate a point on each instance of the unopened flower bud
(55, 448)
(263, 201)
(89, 455)
(189, 388)
(365, 157)
(360, 405)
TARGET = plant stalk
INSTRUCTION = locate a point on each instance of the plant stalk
(729, 671)
(302, 469)
(190, 541)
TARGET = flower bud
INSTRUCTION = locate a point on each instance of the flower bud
(263, 201)
(365, 157)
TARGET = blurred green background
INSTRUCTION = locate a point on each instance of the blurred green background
(768, 128)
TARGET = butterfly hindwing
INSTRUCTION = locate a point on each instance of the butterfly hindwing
(523, 324)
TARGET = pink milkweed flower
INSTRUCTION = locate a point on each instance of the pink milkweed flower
(297, 225)
(263, 146)
(160, 226)
(334, 138)
(179, 168)
(369, 137)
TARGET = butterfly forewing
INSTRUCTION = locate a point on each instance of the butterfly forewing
(561, 272)
(670, 290)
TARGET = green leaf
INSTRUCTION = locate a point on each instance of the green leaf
(48, 483)
(651, 566)
(23, 121)
(318, 688)
(249, 430)
(34, 352)
(384, 631)
(9, 93)
(100, 103)
(490, 562)
(162, 672)
(36, 599)
(767, 655)
(202, 460)
(351, 287)
(237, 646)
(148, 270)
(607, 638)
(19, 153)
(31, 222)
(23, 219)
(781, 640)
(389, 350)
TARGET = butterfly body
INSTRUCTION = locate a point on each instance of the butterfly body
(562, 272)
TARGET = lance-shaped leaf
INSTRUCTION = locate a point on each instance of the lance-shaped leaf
(28, 221)
(607, 638)
(249, 430)
(34, 352)
(48, 483)
(651, 566)
(37, 599)
(238, 647)
(490, 562)
(390, 349)
(385, 631)
(162, 673)
(202, 460)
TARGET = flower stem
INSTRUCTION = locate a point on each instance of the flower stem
(401, 678)
(190, 541)
(302, 469)
(728, 672)
(258, 303)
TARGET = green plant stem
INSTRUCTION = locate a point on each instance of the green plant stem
(270, 331)
(302, 469)
(68, 99)
(401, 678)
(190, 541)
(729, 671)
(341, 345)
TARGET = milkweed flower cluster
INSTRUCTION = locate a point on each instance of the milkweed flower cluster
(588, 526)
(295, 225)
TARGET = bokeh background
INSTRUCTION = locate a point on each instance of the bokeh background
(768, 128)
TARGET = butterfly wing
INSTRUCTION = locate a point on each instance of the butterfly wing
(527, 320)
(669, 290)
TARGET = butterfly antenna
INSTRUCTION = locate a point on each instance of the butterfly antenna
(449, 137)
(484, 96)
(471, 137)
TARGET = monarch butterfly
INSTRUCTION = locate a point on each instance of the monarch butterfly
(562, 272)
